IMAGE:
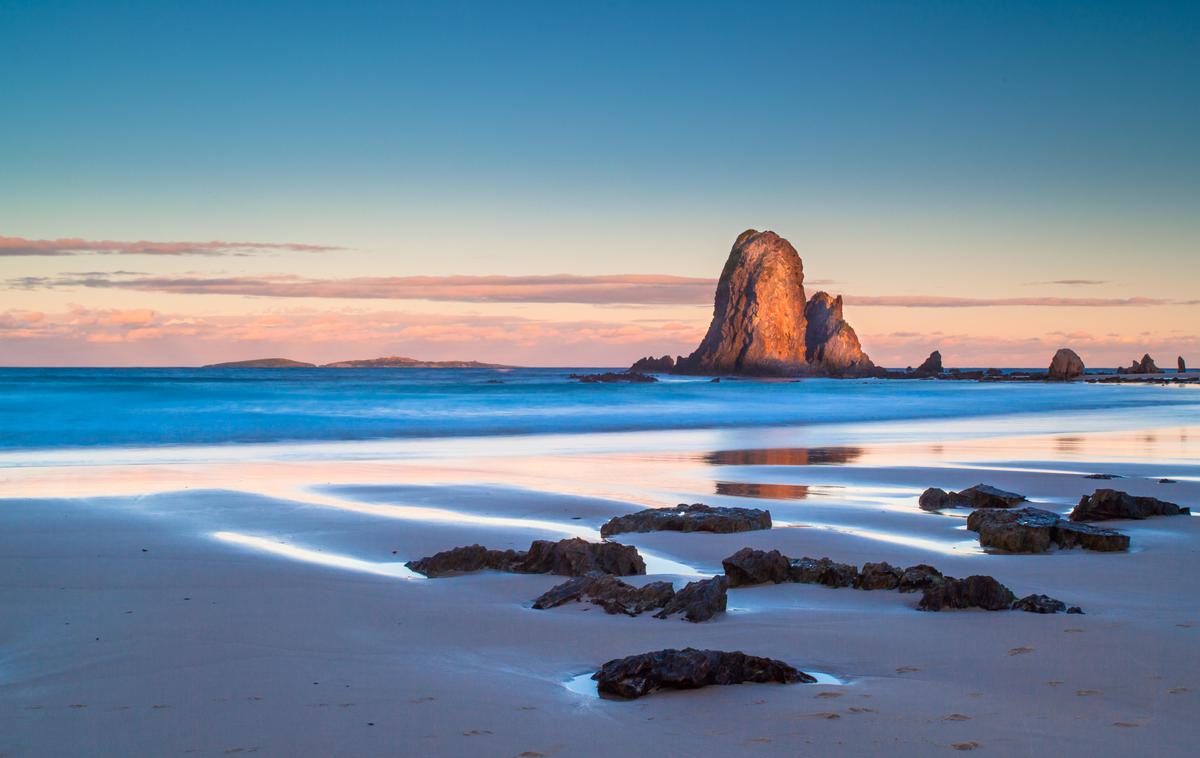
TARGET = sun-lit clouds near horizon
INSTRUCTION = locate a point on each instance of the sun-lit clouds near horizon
(19, 246)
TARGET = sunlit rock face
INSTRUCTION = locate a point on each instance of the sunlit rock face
(760, 326)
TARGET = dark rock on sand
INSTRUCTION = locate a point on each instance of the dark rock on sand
(823, 571)
(461, 560)
(690, 518)
(879, 576)
(699, 601)
(749, 566)
(608, 592)
(611, 377)
(652, 365)
(1102, 505)
(1032, 530)
(1103, 476)
(972, 592)
(919, 577)
(571, 557)
(576, 556)
(1065, 365)
(979, 496)
(687, 669)
(1039, 604)
(931, 367)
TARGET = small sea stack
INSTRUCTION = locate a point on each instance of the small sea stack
(1065, 365)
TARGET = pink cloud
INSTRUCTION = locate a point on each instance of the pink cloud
(20, 246)
(939, 301)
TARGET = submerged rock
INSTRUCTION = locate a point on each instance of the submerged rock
(698, 601)
(1065, 365)
(1106, 504)
(1032, 530)
(972, 592)
(611, 377)
(823, 571)
(1039, 604)
(689, 518)
(570, 557)
(687, 669)
(749, 566)
(979, 496)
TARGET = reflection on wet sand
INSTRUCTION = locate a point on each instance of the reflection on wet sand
(785, 456)
(765, 491)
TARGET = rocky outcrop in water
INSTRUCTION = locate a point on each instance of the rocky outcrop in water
(931, 367)
(1182, 365)
(611, 377)
(760, 322)
(689, 518)
(1105, 504)
(570, 557)
(972, 592)
(689, 669)
(1032, 530)
(652, 365)
(979, 496)
(1065, 365)
(1144, 366)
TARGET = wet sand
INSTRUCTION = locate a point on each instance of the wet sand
(216, 601)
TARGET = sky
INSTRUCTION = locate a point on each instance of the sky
(559, 183)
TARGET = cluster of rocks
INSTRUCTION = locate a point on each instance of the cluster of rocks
(749, 566)
(979, 496)
(1105, 504)
(652, 365)
(698, 601)
(687, 669)
(696, 517)
(611, 377)
(570, 557)
(1033, 530)
(1144, 366)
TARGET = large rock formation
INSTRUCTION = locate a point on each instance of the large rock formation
(761, 319)
(1065, 365)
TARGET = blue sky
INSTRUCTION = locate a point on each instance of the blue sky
(977, 149)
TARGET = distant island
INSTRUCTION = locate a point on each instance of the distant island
(394, 361)
(402, 362)
(263, 363)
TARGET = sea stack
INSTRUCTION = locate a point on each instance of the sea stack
(1144, 366)
(1065, 365)
(932, 365)
(1182, 366)
(761, 319)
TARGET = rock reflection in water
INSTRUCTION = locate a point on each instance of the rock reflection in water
(765, 491)
(785, 456)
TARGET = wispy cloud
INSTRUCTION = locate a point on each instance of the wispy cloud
(560, 288)
(1078, 282)
(939, 301)
(624, 289)
(20, 246)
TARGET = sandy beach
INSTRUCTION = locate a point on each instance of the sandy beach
(217, 600)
